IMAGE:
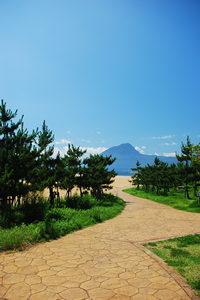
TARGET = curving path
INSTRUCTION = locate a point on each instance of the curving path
(105, 261)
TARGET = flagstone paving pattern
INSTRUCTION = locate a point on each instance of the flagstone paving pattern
(103, 262)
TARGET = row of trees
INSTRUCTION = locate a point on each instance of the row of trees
(161, 176)
(27, 163)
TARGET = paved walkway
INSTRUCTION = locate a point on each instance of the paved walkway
(103, 262)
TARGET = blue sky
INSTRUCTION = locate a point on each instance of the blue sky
(104, 72)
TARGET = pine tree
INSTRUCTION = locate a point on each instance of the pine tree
(17, 156)
(46, 171)
(136, 178)
(186, 158)
(75, 166)
(97, 175)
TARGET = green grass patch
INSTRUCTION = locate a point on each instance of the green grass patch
(38, 222)
(183, 255)
(174, 199)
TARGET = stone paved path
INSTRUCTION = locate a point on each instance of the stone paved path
(103, 262)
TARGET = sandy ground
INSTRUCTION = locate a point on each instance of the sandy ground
(120, 181)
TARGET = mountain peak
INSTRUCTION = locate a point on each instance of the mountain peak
(124, 150)
(127, 156)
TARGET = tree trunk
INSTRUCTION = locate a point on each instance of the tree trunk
(51, 196)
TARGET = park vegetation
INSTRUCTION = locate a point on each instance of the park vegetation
(28, 166)
(175, 186)
(161, 178)
(182, 254)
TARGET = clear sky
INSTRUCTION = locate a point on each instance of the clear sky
(104, 72)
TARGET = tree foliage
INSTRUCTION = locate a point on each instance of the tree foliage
(162, 177)
(27, 163)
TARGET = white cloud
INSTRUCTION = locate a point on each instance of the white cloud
(162, 137)
(168, 144)
(156, 154)
(98, 132)
(166, 137)
(63, 141)
(143, 147)
(62, 151)
(91, 150)
(198, 135)
(86, 141)
(173, 154)
(139, 150)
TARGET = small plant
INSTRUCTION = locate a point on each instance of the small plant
(51, 223)
(182, 254)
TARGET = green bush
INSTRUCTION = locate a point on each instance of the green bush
(53, 223)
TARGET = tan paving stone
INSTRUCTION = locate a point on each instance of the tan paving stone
(70, 272)
(100, 293)
(23, 262)
(30, 270)
(35, 288)
(145, 297)
(114, 283)
(139, 282)
(163, 273)
(147, 290)
(128, 264)
(32, 255)
(157, 286)
(53, 280)
(19, 291)
(183, 295)
(74, 294)
(103, 262)
(46, 273)
(127, 290)
(87, 265)
(79, 278)
(173, 286)
(106, 265)
(3, 291)
(32, 279)
(94, 272)
(11, 268)
(159, 279)
(58, 268)
(13, 278)
(90, 284)
(147, 274)
(37, 262)
(43, 267)
(71, 284)
(127, 275)
(55, 262)
(167, 294)
(44, 296)
(100, 278)
(120, 297)
(56, 289)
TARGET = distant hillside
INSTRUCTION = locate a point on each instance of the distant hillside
(127, 157)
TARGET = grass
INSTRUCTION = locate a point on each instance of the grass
(38, 222)
(183, 255)
(174, 199)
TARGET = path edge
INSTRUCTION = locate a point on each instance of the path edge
(174, 274)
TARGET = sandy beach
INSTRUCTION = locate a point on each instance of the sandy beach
(120, 181)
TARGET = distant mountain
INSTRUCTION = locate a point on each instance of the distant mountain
(127, 157)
